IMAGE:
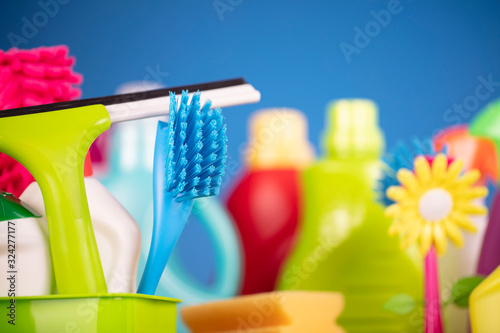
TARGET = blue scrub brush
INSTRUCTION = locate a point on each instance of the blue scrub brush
(401, 157)
(190, 160)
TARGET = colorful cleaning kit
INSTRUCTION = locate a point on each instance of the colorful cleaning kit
(52, 146)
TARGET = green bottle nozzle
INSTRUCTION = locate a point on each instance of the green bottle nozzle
(11, 208)
(487, 125)
(353, 130)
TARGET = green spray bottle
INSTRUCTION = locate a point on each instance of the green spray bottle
(344, 243)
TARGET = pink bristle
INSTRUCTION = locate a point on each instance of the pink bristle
(34, 99)
(10, 92)
(17, 178)
(10, 105)
(5, 75)
(61, 51)
(27, 56)
(76, 78)
(74, 94)
(60, 88)
(71, 61)
(16, 65)
(56, 72)
(36, 85)
(34, 69)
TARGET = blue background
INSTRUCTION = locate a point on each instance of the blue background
(427, 58)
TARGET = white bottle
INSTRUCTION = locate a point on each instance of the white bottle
(117, 234)
(25, 262)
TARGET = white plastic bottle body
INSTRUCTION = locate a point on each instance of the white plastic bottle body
(458, 263)
(26, 265)
(117, 234)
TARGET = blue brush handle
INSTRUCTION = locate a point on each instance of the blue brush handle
(170, 217)
(166, 231)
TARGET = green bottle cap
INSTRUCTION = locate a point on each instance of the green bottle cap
(353, 130)
(11, 208)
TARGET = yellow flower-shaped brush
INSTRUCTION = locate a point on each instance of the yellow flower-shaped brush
(434, 202)
(431, 204)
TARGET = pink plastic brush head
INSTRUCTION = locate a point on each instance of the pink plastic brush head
(39, 76)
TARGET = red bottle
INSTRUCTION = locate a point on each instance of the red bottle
(266, 203)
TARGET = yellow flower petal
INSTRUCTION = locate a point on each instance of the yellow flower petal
(439, 167)
(396, 193)
(395, 228)
(439, 237)
(412, 235)
(392, 211)
(454, 232)
(408, 224)
(422, 169)
(425, 238)
(454, 170)
(469, 178)
(408, 180)
(473, 209)
(473, 192)
(463, 220)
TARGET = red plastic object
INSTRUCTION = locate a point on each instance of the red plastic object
(476, 153)
(265, 206)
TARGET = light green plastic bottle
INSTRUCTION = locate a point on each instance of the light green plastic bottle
(344, 244)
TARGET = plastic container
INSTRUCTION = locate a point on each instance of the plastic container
(266, 202)
(103, 313)
(480, 154)
(484, 303)
(344, 245)
(487, 125)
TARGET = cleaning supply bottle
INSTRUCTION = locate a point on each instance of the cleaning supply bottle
(483, 304)
(344, 243)
(265, 204)
(117, 233)
(485, 299)
(25, 260)
(486, 125)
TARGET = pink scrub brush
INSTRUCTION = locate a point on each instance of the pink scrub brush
(28, 78)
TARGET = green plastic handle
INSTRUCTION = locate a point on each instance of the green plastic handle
(52, 146)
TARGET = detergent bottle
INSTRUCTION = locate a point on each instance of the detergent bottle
(485, 299)
(265, 204)
(344, 243)
(475, 153)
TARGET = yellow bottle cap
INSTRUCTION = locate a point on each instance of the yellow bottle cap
(353, 130)
(278, 139)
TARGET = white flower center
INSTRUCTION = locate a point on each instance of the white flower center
(435, 205)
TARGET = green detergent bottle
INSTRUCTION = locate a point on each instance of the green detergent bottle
(344, 243)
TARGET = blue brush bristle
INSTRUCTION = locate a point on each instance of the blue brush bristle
(401, 157)
(197, 149)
